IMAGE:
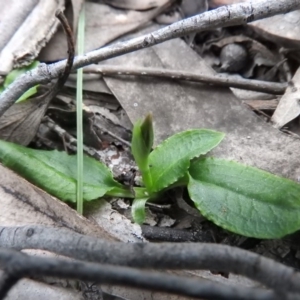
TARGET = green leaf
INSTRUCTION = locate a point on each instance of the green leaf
(245, 200)
(141, 145)
(11, 77)
(170, 160)
(55, 172)
(138, 210)
(14, 74)
(28, 94)
(147, 132)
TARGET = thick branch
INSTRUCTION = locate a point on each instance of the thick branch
(236, 14)
(191, 256)
(20, 265)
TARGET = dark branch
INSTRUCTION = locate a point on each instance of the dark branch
(18, 265)
(190, 256)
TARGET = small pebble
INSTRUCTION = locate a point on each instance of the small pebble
(233, 58)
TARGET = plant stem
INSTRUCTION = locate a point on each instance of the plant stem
(145, 172)
(80, 41)
(120, 192)
(138, 192)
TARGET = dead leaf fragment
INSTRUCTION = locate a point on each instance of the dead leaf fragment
(283, 30)
(20, 122)
(34, 32)
(13, 14)
(289, 107)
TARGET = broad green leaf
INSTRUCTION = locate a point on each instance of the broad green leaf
(16, 73)
(138, 210)
(141, 145)
(55, 172)
(243, 199)
(170, 160)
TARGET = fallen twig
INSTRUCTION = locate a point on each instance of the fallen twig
(220, 80)
(17, 265)
(191, 256)
(236, 14)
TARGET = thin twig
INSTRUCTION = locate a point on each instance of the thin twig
(241, 83)
(71, 141)
(71, 47)
(18, 265)
(236, 14)
(192, 256)
(68, 63)
(128, 144)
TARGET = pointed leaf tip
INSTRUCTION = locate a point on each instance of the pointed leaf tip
(147, 132)
(170, 160)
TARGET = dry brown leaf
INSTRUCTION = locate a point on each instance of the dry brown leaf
(262, 104)
(283, 30)
(20, 122)
(289, 107)
(13, 14)
(31, 35)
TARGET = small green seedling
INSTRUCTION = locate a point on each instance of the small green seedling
(239, 198)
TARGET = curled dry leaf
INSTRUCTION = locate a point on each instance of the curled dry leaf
(288, 108)
(13, 15)
(31, 34)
